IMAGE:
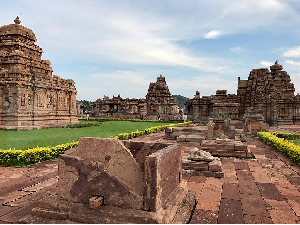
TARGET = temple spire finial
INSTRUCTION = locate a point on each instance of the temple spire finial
(17, 20)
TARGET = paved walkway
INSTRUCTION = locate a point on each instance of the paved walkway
(261, 190)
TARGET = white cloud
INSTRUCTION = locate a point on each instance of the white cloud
(292, 62)
(129, 35)
(206, 85)
(293, 52)
(237, 49)
(265, 63)
(126, 83)
(212, 34)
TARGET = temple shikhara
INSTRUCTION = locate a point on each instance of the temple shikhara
(158, 104)
(266, 93)
(29, 94)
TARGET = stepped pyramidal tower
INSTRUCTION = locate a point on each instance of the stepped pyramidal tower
(29, 94)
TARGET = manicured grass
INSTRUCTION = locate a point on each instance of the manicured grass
(25, 139)
(296, 142)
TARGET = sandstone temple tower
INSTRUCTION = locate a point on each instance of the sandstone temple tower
(159, 102)
(29, 94)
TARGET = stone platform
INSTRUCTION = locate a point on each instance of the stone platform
(193, 131)
(201, 168)
(230, 148)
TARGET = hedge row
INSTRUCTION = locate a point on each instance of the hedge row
(126, 136)
(34, 155)
(288, 136)
(30, 156)
(289, 149)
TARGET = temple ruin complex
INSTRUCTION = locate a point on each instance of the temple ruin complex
(268, 93)
(158, 104)
(29, 94)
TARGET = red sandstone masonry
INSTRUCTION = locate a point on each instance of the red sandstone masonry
(168, 167)
(211, 195)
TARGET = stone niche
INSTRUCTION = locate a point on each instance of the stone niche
(115, 181)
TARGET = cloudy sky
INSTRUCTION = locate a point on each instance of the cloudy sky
(111, 47)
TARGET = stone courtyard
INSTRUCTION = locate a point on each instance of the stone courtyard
(264, 189)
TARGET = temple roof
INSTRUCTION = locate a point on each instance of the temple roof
(17, 29)
(276, 66)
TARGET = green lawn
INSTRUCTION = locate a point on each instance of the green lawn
(25, 139)
(296, 142)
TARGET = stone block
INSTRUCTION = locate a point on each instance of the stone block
(249, 154)
(190, 144)
(215, 165)
(222, 153)
(227, 146)
(96, 201)
(174, 136)
(101, 167)
(181, 138)
(176, 129)
(194, 138)
(162, 176)
(193, 165)
(239, 146)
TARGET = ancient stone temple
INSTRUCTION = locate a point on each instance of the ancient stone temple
(119, 108)
(268, 93)
(158, 104)
(29, 94)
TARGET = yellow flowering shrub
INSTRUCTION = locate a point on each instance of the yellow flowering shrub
(282, 145)
(126, 136)
(34, 155)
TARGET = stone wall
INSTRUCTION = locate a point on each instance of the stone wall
(29, 94)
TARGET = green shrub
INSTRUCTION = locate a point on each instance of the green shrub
(289, 149)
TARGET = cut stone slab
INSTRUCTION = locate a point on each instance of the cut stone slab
(80, 176)
(199, 155)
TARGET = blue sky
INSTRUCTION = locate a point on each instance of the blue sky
(117, 47)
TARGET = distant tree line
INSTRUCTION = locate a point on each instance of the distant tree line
(181, 100)
(87, 105)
